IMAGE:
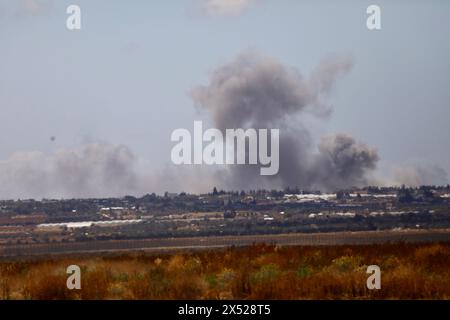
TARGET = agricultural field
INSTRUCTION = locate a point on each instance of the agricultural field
(408, 271)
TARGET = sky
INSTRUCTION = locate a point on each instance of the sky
(123, 83)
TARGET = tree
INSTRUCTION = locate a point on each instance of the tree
(404, 195)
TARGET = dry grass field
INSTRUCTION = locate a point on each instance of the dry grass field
(408, 271)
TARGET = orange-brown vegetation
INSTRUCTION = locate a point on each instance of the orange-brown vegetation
(408, 271)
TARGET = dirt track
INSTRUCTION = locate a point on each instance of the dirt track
(166, 244)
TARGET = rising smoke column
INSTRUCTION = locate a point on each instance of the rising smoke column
(256, 91)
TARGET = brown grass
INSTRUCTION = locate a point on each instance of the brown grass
(409, 271)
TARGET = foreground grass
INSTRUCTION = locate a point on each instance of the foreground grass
(409, 271)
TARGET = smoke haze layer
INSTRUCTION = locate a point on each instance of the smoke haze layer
(251, 91)
(93, 170)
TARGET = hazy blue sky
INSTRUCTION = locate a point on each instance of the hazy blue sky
(125, 77)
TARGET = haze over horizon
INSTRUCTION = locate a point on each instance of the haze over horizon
(89, 113)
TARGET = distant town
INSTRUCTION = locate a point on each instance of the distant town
(257, 212)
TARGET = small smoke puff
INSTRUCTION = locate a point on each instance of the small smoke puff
(324, 75)
(226, 7)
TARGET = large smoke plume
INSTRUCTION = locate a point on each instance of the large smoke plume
(256, 91)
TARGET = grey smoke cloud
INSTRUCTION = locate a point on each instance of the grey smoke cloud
(342, 161)
(95, 170)
(92, 170)
(256, 91)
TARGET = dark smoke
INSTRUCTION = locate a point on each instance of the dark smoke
(255, 91)
(342, 161)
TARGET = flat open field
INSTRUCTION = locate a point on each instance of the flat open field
(408, 271)
(170, 244)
